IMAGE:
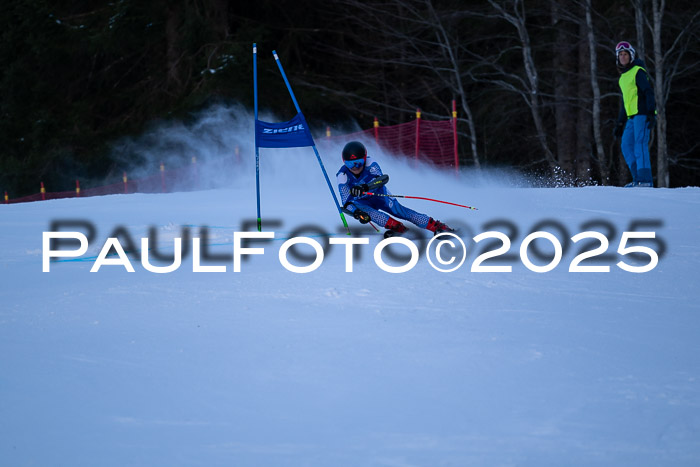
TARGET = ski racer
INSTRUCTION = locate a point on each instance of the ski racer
(358, 178)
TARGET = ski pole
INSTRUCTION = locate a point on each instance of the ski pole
(419, 197)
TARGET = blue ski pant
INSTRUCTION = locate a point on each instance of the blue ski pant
(635, 148)
(374, 205)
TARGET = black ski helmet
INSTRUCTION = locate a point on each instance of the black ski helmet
(355, 150)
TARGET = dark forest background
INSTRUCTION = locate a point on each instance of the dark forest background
(535, 82)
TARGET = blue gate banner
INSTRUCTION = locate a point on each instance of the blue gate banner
(290, 134)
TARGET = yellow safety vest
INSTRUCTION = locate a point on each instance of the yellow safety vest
(628, 85)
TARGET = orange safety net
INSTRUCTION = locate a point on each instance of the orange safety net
(164, 181)
(434, 140)
(426, 141)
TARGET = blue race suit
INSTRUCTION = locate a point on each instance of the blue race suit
(373, 205)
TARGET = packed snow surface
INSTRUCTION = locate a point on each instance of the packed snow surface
(270, 367)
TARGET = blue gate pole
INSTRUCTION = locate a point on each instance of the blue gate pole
(257, 150)
(306, 128)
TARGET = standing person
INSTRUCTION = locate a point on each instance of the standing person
(637, 115)
(360, 174)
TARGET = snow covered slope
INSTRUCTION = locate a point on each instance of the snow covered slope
(270, 367)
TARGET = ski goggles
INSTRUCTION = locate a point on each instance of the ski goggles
(355, 164)
(623, 46)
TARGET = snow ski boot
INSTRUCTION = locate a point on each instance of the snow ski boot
(394, 227)
(437, 227)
